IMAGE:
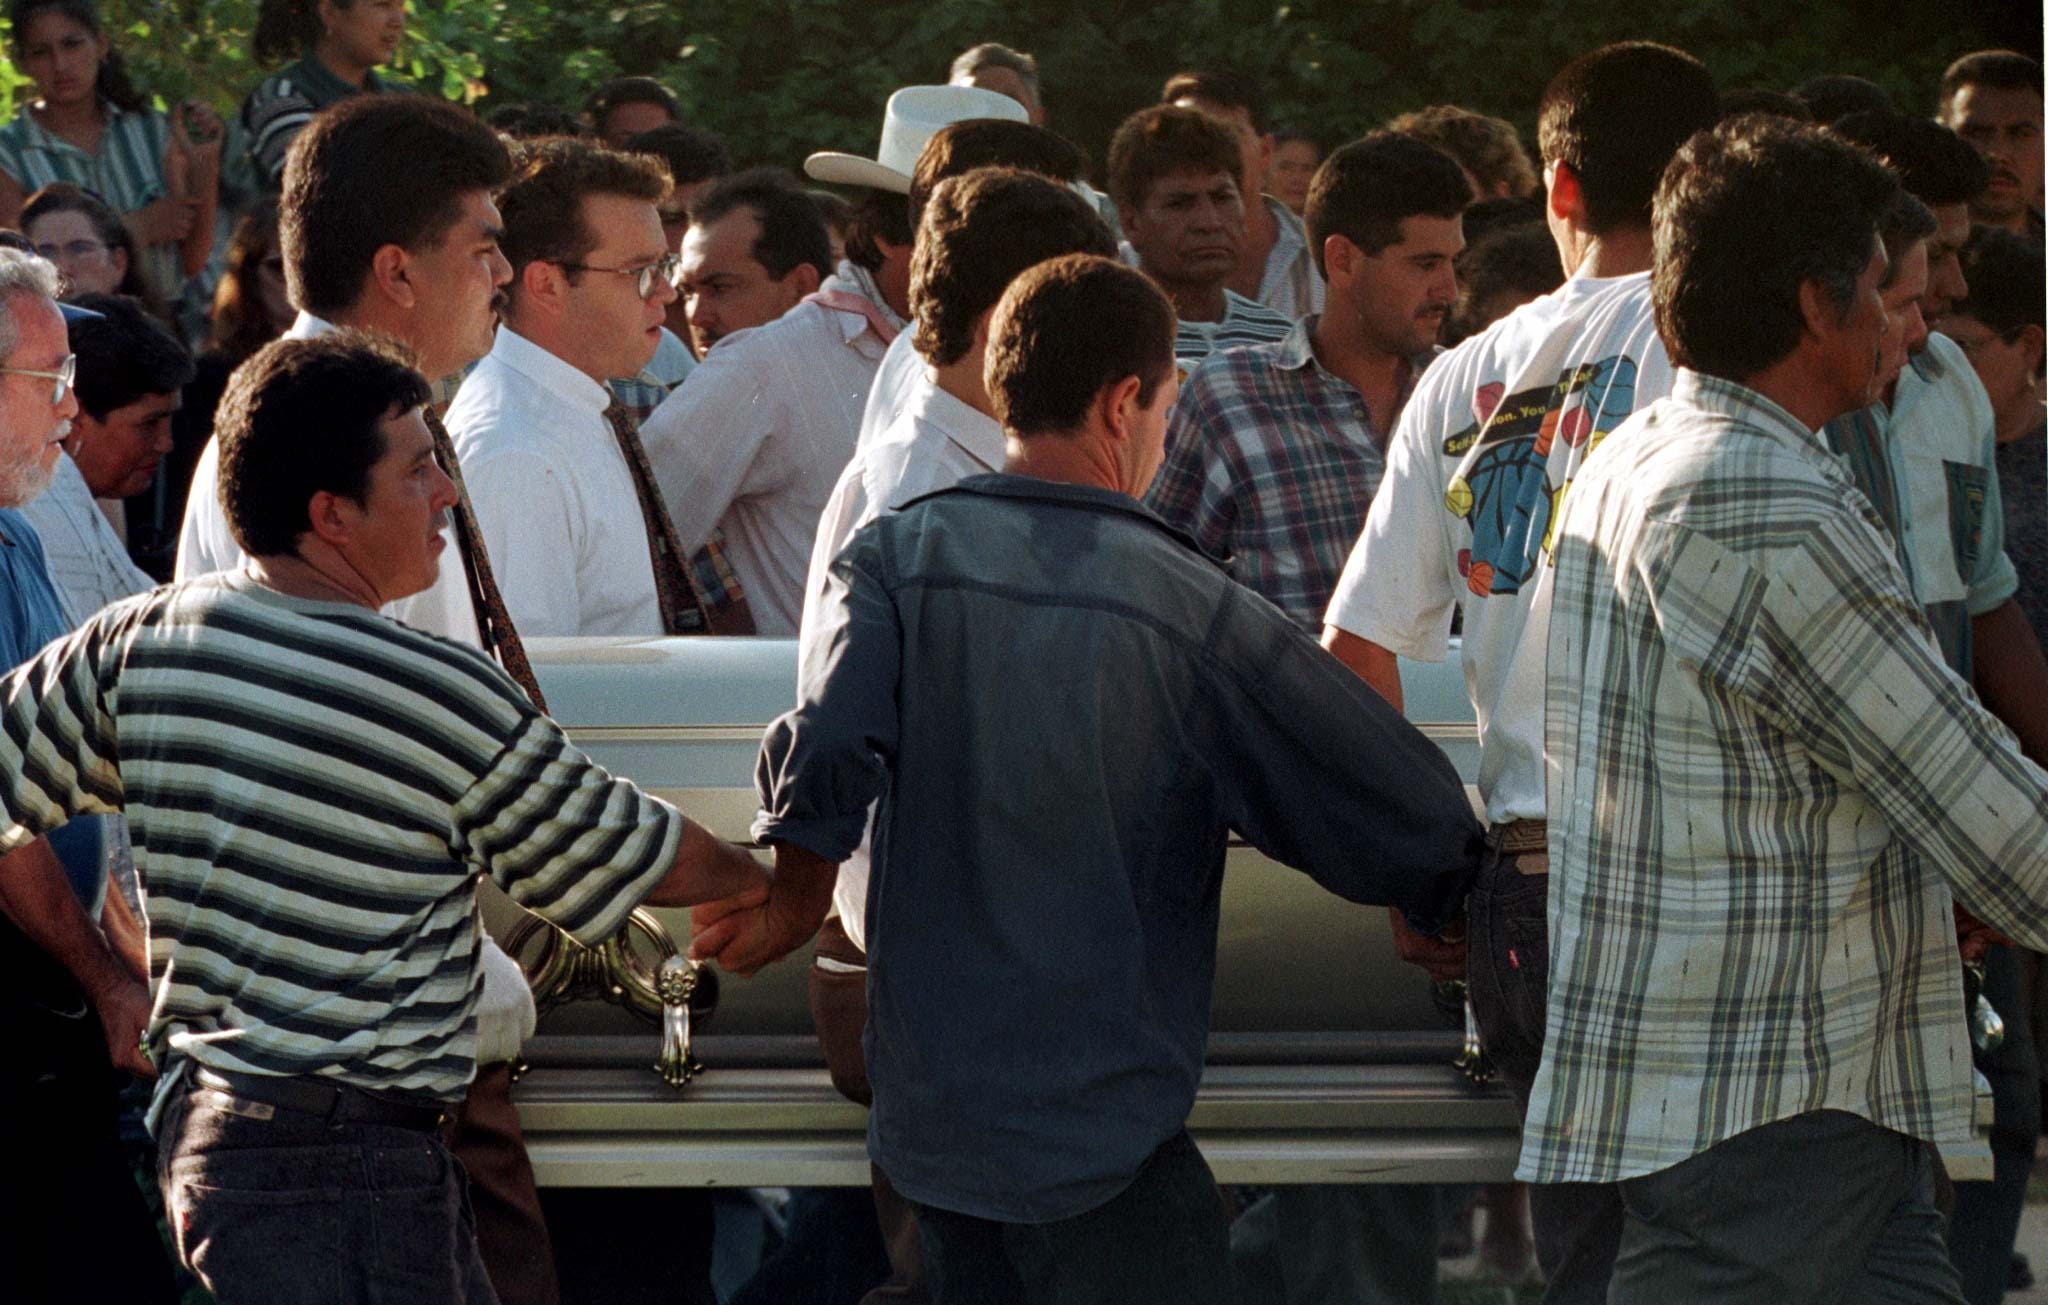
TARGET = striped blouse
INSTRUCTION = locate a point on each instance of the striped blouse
(127, 172)
(313, 791)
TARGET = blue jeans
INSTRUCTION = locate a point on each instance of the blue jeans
(1162, 1241)
(294, 1210)
(1825, 1206)
(1507, 970)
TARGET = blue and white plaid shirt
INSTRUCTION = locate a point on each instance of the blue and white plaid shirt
(1272, 460)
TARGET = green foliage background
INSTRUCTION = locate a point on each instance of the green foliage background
(780, 78)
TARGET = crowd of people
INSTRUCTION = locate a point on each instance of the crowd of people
(1102, 519)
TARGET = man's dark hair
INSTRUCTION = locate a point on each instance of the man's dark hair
(1933, 162)
(1066, 330)
(1615, 117)
(542, 205)
(691, 153)
(792, 230)
(1905, 221)
(1518, 260)
(346, 196)
(1220, 87)
(1156, 142)
(1488, 148)
(2006, 276)
(959, 148)
(2000, 70)
(301, 417)
(1296, 135)
(1364, 191)
(124, 355)
(877, 216)
(528, 121)
(630, 90)
(1836, 95)
(1484, 215)
(979, 231)
(1748, 213)
(993, 54)
(1756, 99)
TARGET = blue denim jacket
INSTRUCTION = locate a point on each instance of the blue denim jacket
(1065, 708)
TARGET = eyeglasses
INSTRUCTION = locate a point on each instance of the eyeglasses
(67, 371)
(662, 271)
(76, 251)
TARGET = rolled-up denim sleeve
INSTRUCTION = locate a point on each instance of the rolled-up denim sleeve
(1321, 774)
(824, 763)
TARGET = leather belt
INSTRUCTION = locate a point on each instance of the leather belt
(304, 1095)
(1527, 841)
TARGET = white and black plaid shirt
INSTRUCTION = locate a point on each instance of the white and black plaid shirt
(1764, 782)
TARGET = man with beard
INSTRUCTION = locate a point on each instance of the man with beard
(1275, 450)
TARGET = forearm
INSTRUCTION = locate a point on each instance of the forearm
(125, 933)
(197, 245)
(2012, 676)
(1368, 661)
(706, 868)
(37, 896)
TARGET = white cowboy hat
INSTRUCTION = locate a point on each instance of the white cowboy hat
(912, 115)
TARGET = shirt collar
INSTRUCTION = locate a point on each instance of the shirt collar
(306, 327)
(1298, 348)
(1926, 363)
(852, 278)
(1290, 233)
(979, 435)
(40, 137)
(1735, 400)
(551, 373)
(1030, 489)
(323, 81)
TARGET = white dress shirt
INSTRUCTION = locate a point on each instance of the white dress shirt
(87, 562)
(935, 441)
(751, 442)
(553, 496)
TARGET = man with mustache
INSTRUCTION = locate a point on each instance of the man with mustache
(1178, 180)
(1992, 99)
(77, 1229)
(1275, 450)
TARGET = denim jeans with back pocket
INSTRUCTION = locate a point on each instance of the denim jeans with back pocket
(273, 1207)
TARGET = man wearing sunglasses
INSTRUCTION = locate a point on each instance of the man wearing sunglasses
(572, 520)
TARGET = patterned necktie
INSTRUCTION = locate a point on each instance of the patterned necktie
(494, 623)
(684, 609)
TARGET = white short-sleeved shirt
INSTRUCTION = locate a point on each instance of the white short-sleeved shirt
(935, 441)
(1477, 469)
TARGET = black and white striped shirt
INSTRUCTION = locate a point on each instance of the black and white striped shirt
(313, 790)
